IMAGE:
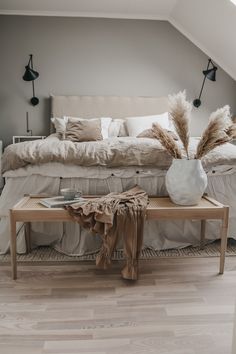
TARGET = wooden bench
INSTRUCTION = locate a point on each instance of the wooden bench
(29, 209)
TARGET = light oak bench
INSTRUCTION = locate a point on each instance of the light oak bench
(29, 209)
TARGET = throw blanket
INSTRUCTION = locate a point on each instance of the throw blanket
(112, 216)
(114, 152)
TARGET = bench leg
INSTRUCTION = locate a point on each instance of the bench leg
(203, 231)
(223, 246)
(13, 245)
(27, 237)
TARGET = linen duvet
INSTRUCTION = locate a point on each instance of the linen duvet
(101, 167)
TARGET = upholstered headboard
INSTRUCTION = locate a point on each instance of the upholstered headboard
(106, 106)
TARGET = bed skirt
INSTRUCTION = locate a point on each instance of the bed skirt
(70, 239)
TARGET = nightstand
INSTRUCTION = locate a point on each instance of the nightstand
(20, 138)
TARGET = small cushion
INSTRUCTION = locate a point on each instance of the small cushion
(84, 130)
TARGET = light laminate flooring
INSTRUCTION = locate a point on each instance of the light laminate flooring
(178, 306)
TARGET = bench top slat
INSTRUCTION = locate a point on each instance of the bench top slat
(155, 203)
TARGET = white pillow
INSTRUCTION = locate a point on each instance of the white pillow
(116, 128)
(136, 125)
(60, 124)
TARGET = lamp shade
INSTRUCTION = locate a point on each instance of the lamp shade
(30, 74)
(211, 73)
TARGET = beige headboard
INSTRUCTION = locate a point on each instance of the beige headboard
(107, 106)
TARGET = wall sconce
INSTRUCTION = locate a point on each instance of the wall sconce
(211, 75)
(31, 75)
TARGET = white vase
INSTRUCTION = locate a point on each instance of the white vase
(186, 181)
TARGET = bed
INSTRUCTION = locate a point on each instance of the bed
(102, 175)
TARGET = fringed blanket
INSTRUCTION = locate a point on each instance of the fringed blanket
(112, 216)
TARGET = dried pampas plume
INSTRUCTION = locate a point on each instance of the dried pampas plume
(166, 141)
(180, 111)
(231, 131)
(219, 131)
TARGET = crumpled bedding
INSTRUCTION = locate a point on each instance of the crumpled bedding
(113, 152)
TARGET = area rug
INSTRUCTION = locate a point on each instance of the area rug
(44, 254)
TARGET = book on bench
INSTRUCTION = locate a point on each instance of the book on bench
(59, 201)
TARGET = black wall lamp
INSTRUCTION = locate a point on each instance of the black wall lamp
(209, 73)
(31, 75)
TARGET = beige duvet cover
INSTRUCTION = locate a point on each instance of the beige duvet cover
(115, 152)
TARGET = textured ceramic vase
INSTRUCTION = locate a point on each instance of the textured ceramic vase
(186, 181)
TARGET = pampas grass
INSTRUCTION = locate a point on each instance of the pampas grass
(180, 111)
(231, 131)
(219, 131)
(167, 141)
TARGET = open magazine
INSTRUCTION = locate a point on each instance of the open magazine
(59, 201)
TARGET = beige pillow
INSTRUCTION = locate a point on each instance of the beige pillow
(148, 133)
(105, 123)
(84, 130)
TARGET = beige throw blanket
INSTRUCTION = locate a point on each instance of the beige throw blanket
(116, 152)
(112, 216)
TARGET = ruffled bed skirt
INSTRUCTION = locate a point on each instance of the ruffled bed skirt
(70, 239)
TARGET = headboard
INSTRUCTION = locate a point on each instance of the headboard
(106, 106)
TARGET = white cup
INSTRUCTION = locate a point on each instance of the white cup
(70, 193)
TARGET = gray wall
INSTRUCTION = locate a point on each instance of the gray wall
(99, 57)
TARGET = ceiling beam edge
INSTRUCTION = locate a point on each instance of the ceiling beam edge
(84, 14)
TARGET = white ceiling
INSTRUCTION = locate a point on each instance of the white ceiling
(210, 24)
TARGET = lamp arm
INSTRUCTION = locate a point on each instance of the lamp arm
(31, 59)
(33, 88)
(32, 67)
(34, 100)
(203, 83)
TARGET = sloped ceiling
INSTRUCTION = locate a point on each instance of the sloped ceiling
(209, 24)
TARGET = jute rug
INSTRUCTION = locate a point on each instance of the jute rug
(44, 254)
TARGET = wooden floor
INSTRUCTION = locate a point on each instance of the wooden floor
(179, 306)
